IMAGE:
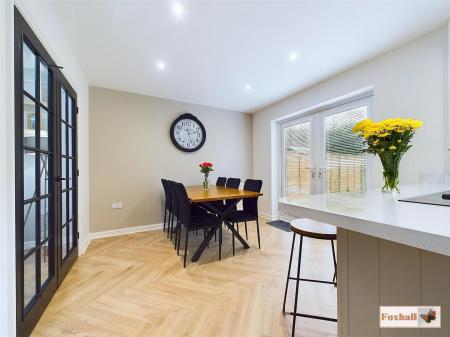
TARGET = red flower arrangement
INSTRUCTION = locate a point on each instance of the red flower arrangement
(205, 168)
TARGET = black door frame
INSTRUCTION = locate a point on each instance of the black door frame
(27, 319)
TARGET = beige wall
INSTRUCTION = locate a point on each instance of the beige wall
(410, 81)
(131, 150)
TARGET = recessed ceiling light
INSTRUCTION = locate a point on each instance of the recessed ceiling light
(292, 56)
(160, 65)
(248, 87)
(178, 9)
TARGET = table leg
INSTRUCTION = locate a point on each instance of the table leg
(203, 245)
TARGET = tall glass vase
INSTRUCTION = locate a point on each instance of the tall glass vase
(206, 182)
(391, 165)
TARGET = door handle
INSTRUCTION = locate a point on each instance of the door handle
(60, 179)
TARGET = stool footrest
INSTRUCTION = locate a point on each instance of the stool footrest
(312, 316)
(311, 280)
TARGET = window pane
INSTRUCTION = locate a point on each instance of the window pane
(29, 278)
(63, 138)
(44, 263)
(63, 242)
(44, 129)
(29, 229)
(44, 74)
(297, 160)
(63, 105)
(29, 70)
(29, 174)
(345, 165)
(63, 208)
(45, 220)
(44, 173)
(29, 122)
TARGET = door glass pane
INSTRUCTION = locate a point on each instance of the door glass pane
(64, 242)
(63, 105)
(70, 161)
(44, 74)
(29, 229)
(44, 263)
(71, 242)
(44, 173)
(63, 208)
(345, 165)
(70, 110)
(29, 278)
(69, 139)
(297, 160)
(45, 220)
(29, 122)
(44, 129)
(29, 174)
(63, 139)
(29, 70)
(70, 204)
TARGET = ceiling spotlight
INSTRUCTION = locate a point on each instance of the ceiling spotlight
(248, 87)
(161, 65)
(178, 9)
(292, 56)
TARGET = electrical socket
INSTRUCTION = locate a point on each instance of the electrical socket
(117, 205)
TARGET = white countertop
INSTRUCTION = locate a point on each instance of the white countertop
(382, 215)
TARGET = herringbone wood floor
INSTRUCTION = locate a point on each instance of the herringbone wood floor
(135, 285)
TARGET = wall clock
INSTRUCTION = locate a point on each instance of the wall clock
(187, 133)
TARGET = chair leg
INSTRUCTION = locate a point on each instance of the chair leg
(176, 235)
(288, 273)
(294, 317)
(171, 228)
(246, 231)
(168, 223)
(179, 240)
(335, 264)
(165, 215)
(233, 238)
(257, 229)
(237, 226)
(185, 247)
(220, 242)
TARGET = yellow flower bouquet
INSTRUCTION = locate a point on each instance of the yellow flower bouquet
(390, 140)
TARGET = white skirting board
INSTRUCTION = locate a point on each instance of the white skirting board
(115, 232)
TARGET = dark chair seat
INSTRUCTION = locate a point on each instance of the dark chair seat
(205, 220)
(314, 229)
(241, 216)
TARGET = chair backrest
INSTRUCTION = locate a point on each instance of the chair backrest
(250, 205)
(221, 181)
(184, 206)
(233, 183)
(172, 191)
(168, 196)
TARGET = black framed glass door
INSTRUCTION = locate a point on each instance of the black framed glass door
(67, 225)
(45, 203)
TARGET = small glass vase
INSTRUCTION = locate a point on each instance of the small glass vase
(206, 183)
(391, 182)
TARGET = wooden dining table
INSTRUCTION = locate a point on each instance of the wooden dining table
(197, 194)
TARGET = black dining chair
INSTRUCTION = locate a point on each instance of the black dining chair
(192, 222)
(167, 203)
(233, 183)
(249, 211)
(221, 181)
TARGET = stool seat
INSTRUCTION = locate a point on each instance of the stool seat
(313, 229)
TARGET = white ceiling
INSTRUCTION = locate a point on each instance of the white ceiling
(218, 47)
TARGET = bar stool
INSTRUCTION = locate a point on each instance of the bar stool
(314, 230)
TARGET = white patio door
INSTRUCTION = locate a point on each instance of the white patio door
(320, 154)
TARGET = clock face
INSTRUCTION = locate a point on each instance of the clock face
(188, 133)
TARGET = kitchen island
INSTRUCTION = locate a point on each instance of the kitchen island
(389, 253)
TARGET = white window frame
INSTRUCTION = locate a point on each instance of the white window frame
(316, 116)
